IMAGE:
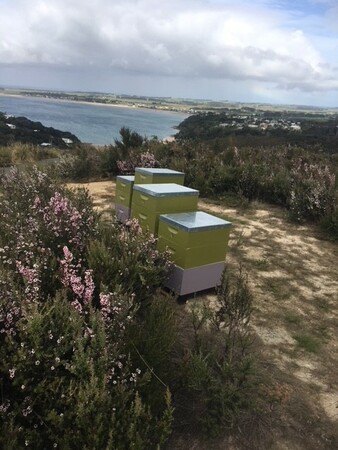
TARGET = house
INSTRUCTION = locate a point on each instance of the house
(67, 141)
(295, 127)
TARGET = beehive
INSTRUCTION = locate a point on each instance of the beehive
(154, 175)
(123, 196)
(197, 242)
(151, 200)
(194, 239)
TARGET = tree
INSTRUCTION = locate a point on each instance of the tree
(129, 139)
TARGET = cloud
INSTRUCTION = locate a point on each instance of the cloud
(168, 38)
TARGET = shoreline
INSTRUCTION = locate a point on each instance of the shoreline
(82, 102)
(166, 140)
(169, 136)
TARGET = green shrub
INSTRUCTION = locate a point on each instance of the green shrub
(308, 343)
(329, 223)
(292, 318)
(217, 370)
(126, 257)
(5, 157)
(312, 194)
(84, 162)
(65, 381)
(18, 153)
(126, 154)
(40, 218)
(152, 339)
(66, 371)
(108, 163)
(302, 181)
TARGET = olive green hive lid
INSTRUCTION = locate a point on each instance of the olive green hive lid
(125, 178)
(195, 221)
(165, 189)
(157, 171)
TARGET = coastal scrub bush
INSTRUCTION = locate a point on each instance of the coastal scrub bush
(113, 163)
(329, 223)
(126, 256)
(218, 369)
(128, 139)
(312, 193)
(263, 174)
(67, 376)
(39, 218)
(298, 179)
(66, 381)
(18, 152)
(5, 157)
(84, 162)
(136, 158)
(152, 339)
(125, 154)
(108, 163)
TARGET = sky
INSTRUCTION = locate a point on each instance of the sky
(273, 51)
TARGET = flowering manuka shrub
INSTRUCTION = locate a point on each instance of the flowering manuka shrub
(66, 379)
(67, 383)
(39, 218)
(34, 204)
(10, 306)
(63, 220)
(136, 159)
(300, 180)
(125, 256)
(312, 194)
(81, 288)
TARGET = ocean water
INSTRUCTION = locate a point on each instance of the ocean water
(92, 123)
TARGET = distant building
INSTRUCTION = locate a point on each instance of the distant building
(67, 141)
(295, 127)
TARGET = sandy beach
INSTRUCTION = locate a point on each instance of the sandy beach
(82, 102)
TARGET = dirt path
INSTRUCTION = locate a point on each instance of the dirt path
(294, 275)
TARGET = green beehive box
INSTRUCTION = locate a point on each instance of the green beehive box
(187, 258)
(124, 190)
(147, 220)
(194, 239)
(151, 200)
(151, 175)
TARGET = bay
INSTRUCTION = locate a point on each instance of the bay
(92, 123)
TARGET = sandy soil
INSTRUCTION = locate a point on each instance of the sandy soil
(102, 193)
(294, 275)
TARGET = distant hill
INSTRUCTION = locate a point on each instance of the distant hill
(20, 129)
(254, 128)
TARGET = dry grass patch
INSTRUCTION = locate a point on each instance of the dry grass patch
(102, 193)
